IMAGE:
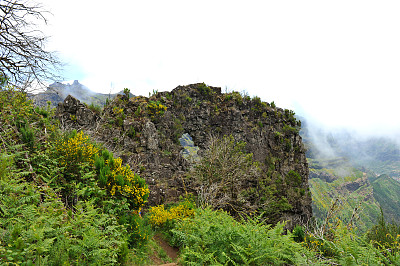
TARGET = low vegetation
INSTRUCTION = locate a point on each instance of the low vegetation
(66, 200)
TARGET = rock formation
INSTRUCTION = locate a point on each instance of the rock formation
(75, 114)
(145, 132)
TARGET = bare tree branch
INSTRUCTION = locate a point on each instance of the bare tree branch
(23, 57)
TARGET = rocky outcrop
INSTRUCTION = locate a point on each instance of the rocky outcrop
(356, 184)
(73, 113)
(145, 132)
(323, 175)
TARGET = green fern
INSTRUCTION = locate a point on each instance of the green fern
(35, 226)
(214, 237)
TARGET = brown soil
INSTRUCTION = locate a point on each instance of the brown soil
(172, 252)
(156, 260)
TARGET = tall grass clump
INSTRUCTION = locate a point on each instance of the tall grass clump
(341, 242)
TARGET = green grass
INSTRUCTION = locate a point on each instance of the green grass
(387, 193)
(323, 193)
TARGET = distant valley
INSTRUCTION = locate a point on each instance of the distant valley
(362, 172)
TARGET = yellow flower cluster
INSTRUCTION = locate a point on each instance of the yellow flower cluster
(159, 215)
(118, 111)
(319, 245)
(76, 150)
(155, 109)
(131, 187)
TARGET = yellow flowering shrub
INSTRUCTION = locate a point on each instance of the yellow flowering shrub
(159, 215)
(118, 111)
(76, 150)
(155, 109)
(121, 180)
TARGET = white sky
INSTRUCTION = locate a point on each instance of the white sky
(336, 61)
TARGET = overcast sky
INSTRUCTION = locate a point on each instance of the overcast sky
(335, 61)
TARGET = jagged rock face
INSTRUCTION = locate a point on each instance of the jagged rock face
(73, 113)
(146, 136)
(356, 184)
(328, 177)
(269, 132)
(150, 136)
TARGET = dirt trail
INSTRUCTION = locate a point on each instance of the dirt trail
(172, 252)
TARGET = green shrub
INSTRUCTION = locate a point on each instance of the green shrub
(127, 92)
(42, 111)
(298, 234)
(256, 100)
(28, 136)
(228, 97)
(119, 115)
(288, 145)
(290, 130)
(237, 97)
(95, 108)
(385, 236)
(138, 111)
(17, 118)
(320, 245)
(177, 130)
(139, 232)
(155, 109)
(35, 226)
(5, 163)
(345, 247)
(293, 178)
(222, 173)
(204, 89)
(264, 115)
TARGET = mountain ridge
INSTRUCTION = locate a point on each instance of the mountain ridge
(57, 92)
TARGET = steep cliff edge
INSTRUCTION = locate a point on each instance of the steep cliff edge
(145, 132)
